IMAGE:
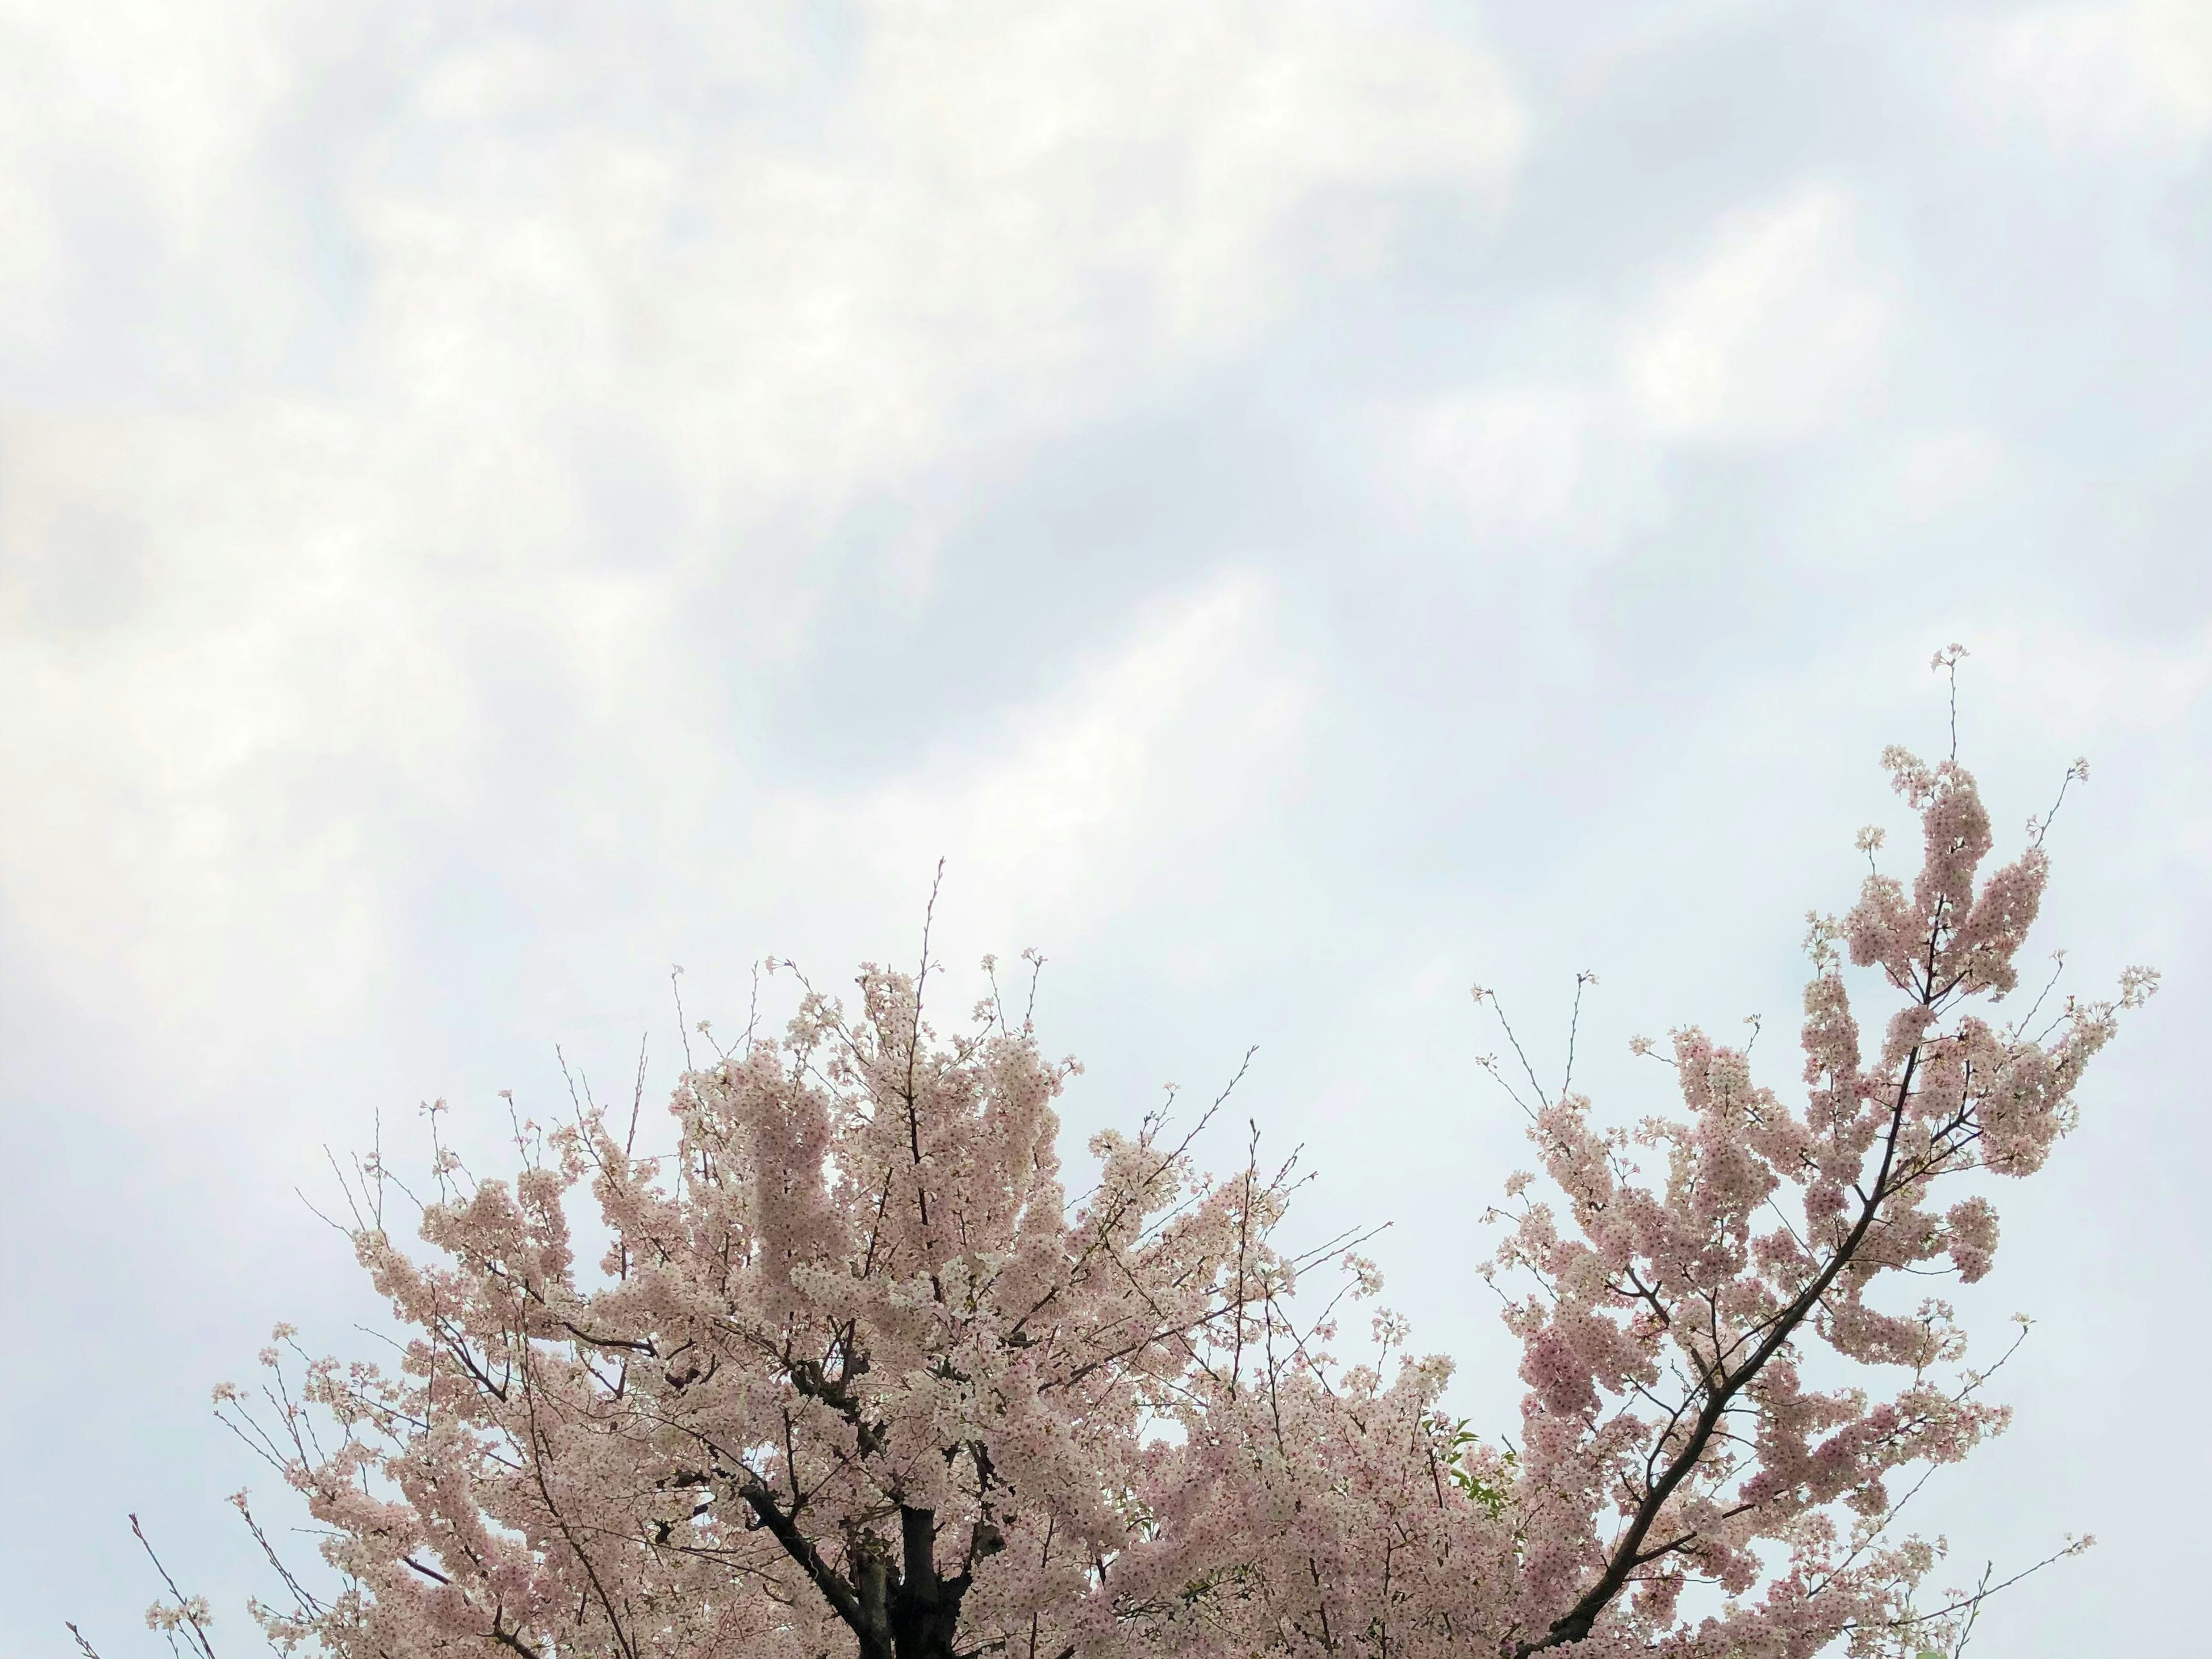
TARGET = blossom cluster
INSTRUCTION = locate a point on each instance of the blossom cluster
(1701, 1345)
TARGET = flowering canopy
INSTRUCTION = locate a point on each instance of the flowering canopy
(854, 1375)
(1673, 1425)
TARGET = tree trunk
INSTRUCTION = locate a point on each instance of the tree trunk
(913, 1613)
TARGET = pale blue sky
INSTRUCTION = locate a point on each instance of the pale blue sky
(1304, 506)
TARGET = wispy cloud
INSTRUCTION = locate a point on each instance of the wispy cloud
(1094, 797)
(1771, 334)
(2135, 73)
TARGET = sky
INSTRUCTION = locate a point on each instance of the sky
(1303, 508)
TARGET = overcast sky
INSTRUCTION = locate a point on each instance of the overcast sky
(1302, 506)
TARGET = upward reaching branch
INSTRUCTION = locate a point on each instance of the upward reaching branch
(1664, 1347)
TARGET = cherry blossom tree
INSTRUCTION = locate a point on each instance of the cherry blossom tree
(853, 1377)
(1706, 1464)
(849, 1372)
(1675, 1429)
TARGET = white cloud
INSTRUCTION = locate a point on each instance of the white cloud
(132, 159)
(30, 256)
(2124, 74)
(254, 620)
(1512, 459)
(178, 95)
(1774, 333)
(1099, 786)
(1009, 215)
(1532, 470)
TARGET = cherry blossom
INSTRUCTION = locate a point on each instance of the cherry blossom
(849, 1372)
